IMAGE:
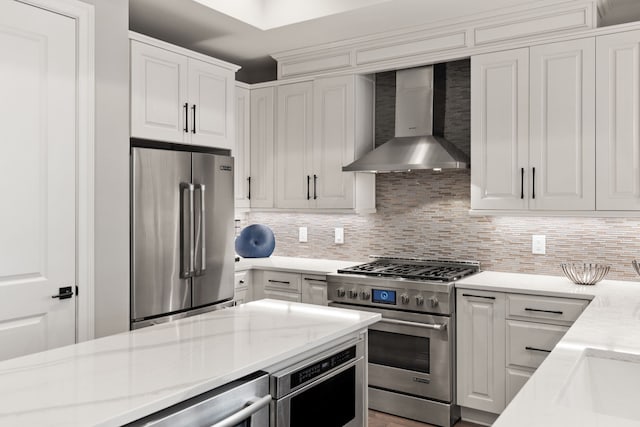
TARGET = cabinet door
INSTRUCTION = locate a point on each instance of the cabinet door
(242, 149)
(212, 97)
(618, 121)
(260, 186)
(294, 146)
(314, 290)
(333, 141)
(562, 134)
(481, 350)
(158, 93)
(500, 130)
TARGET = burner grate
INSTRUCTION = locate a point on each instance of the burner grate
(408, 270)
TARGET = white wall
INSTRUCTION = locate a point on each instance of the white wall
(111, 167)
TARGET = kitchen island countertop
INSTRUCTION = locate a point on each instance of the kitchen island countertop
(120, 378)
(611, 323)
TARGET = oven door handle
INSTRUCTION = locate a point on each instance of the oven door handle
(436, 326)
(238, 417)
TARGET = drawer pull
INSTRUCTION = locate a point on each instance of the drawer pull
(478, 296)
(241, 282)
(537, 349)
(279, 281)
(315, 280)
(543, 311)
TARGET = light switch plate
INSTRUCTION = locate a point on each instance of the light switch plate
(538, 244)
(302, 234)
(339, 235)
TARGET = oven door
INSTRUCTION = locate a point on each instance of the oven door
(334, 400)
(410, 353)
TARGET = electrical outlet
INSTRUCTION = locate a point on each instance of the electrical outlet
(339, 235)
(538, 245)
(302, 234)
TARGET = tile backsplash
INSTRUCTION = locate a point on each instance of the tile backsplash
(425, 214)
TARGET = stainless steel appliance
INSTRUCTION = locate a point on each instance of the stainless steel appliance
(182, 254)
(241, 403)
(412, 349)
(323, 391)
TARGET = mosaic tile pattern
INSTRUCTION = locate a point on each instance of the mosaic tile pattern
(426, 214)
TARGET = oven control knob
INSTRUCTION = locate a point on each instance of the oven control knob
(340, 293)
(419, 300)
(404, 298)
(353, 293)
(365, 295)
(433, 301)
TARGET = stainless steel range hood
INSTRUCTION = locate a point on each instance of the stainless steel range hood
(418, 142)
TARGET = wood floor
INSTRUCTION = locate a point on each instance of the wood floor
(380, 419)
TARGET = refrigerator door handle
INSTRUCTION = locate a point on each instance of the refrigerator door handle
(186, 271)
(201, 270)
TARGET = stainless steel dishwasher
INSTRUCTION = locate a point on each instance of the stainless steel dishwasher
(241, 403)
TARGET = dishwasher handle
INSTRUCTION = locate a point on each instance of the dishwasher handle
(254, 406)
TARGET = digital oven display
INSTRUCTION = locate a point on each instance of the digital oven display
(384, 296)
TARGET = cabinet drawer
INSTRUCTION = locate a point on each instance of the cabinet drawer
(563, 311)
(282, 295)
(528, 343)
(240, 279)
(516, 379)
(282, 281)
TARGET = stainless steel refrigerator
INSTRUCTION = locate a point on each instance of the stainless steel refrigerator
(182, 253)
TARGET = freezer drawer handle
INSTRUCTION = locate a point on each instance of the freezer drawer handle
(254, 406)
(202, 232)
(186, 271)
(435, 326)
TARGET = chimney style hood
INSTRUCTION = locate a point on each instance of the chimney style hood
(419, 128)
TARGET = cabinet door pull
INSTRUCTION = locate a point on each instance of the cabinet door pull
(308, 184)
(522, 183)
(315, 280)
(315, 189)
(543, 311)
(193, 130)
(478, 296)
(249, 195)
(533, 179)
(241, 282)
(537, 349)
(186, 117)
(279, 281)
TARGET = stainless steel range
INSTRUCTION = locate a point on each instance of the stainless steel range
(412, 349)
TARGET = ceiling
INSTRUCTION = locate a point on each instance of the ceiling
(292, 24)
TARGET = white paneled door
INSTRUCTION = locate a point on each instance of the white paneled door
(37, 178)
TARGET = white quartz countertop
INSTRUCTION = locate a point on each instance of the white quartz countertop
(295, 265)
(611, 322)
(121, 378)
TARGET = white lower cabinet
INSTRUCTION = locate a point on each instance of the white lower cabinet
(242, 287)
(314, 289)
(480, 344)
(501, 339)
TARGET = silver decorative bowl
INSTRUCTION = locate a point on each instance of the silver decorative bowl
(584, 273)
(636, 266)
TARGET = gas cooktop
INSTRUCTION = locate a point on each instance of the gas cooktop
(415, 269)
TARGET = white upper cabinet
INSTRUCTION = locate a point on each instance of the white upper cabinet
(322, 126)
(260, 180)
(533, 128)
(159, 107)
(242, 150)
(562, 126)
(179, 98)
(500, 130)
(294, 147)
(618, 121)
